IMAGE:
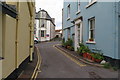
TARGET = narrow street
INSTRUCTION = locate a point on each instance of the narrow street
(57, 65)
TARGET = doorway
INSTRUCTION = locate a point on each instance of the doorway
(78, 33)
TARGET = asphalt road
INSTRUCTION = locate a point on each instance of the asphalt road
(56, 65)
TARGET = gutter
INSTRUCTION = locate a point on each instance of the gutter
(9, 9)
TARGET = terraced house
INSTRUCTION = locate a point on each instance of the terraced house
(94, 23)
(16, 37)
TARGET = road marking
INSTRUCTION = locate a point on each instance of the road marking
(37, 68)
(74, 60)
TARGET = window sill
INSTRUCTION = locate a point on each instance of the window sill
(90, 42)
(68, 18)
(77, 12)
(91, 3)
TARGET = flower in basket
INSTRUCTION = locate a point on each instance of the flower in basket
(91, 39)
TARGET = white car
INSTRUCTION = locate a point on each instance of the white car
(36, 40)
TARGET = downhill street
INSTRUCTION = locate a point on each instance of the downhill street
(55, 64)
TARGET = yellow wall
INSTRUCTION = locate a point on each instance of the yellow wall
(0, 34)
(23, 32)
(12, 32)
(9, 45)
(0, 45)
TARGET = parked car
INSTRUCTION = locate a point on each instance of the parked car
(36, 40)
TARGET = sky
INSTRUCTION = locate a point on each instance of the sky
(54, 9)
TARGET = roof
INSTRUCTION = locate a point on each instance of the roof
(47, 18)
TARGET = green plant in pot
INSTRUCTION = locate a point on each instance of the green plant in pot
(71, 48)
(69, 43)
(98, 57)
(80, 49)
(86, 51)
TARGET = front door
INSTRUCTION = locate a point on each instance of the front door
(78, 33)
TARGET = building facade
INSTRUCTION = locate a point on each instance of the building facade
(94, 23)
(16, 36)
(45, 26)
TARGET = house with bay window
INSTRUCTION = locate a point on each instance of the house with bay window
(94, 23)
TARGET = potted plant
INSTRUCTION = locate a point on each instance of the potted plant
(99, 57)
(71, 48)
(69, 43)
(89, 56)
(93, 57)
(86, 51)
(91, 39)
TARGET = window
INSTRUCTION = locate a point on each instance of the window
(42, 23)
(42, 33)
(68, 11)
(90, 1)
(92, 29)
(78, 5)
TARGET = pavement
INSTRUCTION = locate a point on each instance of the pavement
(56, 63)
(29, 71)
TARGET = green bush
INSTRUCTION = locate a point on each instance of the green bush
(107, 65)
(97, 56)
(83, 49)
(69, 42)
(71, 48)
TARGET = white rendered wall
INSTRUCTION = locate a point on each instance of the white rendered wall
(48, 31)
(37, 29)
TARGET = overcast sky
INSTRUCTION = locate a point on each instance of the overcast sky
(54, 8)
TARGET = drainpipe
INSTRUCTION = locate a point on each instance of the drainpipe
(31, 30)
(16, 42)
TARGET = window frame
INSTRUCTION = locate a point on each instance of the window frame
(42, 33)
(68, 12)
(91, 28)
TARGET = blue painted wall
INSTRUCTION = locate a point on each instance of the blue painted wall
(106, 25)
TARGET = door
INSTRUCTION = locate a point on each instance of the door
(78, 33)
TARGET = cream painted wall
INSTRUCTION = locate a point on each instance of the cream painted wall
(0, 34)
(0, 45)
(9, 48)
(23, 32)
(0, 69)
(9, 38)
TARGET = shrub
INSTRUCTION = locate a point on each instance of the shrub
(97, 56)
(83, 49)
(69, 42)
(71, 48)
(107, 65)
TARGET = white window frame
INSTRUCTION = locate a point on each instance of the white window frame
(78, 7)
(68, 12)
(91, 2)
(91, 28)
